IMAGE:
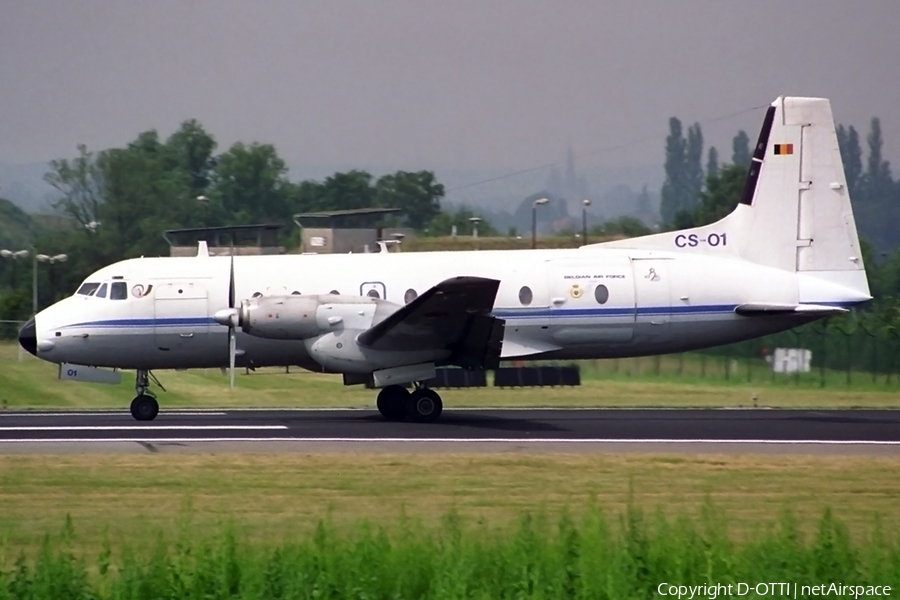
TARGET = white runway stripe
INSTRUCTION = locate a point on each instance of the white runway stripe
(120, 413)
(145, 428)
(458, 440)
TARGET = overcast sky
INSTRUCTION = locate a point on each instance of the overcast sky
(444, 85)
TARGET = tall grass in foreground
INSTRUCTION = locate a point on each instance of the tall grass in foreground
(595, 557)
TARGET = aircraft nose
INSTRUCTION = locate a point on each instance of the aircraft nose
(28, 337)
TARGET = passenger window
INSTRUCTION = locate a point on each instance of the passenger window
(525, 295)
(373, 294)
(410, 295)
(118, 291)
(601, 294)
(101, 293)
(87, 288)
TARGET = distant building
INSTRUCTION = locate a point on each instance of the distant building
(242, 240)
(345, 231)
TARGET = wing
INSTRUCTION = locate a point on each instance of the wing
(454, 315)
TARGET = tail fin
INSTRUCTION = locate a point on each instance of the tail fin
(795, 211)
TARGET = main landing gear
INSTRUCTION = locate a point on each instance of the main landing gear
(144, 407)
(422, 405)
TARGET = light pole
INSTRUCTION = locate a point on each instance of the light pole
(34, 281)
(205, 202)
(15, 255)
(474, 221)
(538, 202)
(584, 205)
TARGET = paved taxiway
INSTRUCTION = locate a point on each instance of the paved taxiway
(819, 431)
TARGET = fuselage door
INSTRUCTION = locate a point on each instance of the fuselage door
(181, 316)
(373, 289)
(652, 287)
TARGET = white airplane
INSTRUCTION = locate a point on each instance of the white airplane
(787, 255)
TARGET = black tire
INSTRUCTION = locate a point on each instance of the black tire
(392, 402)
(424, 406)
(144, 408)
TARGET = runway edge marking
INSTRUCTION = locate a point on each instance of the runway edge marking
(462, 440)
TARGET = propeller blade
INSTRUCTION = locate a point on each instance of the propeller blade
(231, 283)
(232, 321)
(232, 350)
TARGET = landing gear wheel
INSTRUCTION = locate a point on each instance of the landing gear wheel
(392, 402)
(144, 408)
(424, 406)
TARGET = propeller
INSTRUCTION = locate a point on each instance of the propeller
(229, 317)
(232, 323)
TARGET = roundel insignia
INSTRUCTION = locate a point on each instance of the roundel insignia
(576, 291)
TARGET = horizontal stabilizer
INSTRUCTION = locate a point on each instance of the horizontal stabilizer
(762, 309)
(513, 348)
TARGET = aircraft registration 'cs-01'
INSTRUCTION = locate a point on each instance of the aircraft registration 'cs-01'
(788, 254)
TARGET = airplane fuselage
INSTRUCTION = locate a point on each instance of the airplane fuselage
(557, 304)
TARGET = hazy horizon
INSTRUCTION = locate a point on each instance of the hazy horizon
(476, 86)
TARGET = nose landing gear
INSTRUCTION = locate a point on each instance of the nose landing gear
(422, 405)
(144, 407)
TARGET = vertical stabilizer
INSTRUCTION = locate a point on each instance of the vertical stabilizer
(795, 211)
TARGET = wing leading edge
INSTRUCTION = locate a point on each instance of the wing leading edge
(454, 315)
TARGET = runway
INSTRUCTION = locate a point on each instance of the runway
(829, 431)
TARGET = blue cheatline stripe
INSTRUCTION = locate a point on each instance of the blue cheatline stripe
(139, 323)
(508, 313)
(526, 313)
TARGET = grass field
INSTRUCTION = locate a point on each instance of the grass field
(279, 496)
(235, 525)
(670, 381)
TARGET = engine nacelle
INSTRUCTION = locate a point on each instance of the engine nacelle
(305, 317)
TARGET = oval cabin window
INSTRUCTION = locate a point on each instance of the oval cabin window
(525, 295)
(601, 294)
(373, 294)
(410, 295)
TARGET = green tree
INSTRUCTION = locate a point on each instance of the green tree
(418, 195)
(250, 185)
(642, 206)
(740, 150)
(851, 156)
(693, 167)
(625, 226)
(81, 185)
(878, 181)
(673, 190)
(712, 162)
(351, 190)
(191, 150)
(721, 196)
(442, 224)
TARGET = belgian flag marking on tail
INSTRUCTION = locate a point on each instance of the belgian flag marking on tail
(784, 148)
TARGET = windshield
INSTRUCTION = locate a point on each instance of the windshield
(87, 288)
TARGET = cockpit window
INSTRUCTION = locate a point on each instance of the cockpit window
(101, 293)
(87, 289)
(118, 290)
